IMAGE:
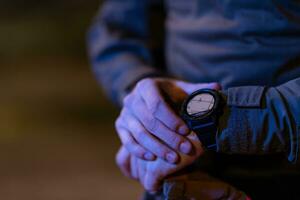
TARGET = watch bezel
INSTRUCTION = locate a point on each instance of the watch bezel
(212, 92)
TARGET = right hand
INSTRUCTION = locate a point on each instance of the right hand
(147, 125)
(151, 173)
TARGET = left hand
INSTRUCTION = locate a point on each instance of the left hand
(149, 124)
(151, 173)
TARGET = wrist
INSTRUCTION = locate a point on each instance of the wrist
(201, 111)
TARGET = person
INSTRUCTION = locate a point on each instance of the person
(249, 51)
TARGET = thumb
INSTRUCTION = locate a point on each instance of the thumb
(192, 87)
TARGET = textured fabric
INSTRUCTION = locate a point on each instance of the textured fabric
(249, 96)
(251, 47)
(271, 127)
(198, 185)
(118, 46)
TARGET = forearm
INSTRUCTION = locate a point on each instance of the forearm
(117, 46)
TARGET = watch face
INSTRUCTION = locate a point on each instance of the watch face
(200, 104)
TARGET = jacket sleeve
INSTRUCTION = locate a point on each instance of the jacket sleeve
(117, 46)
(261, 120)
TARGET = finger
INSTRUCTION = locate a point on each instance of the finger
(147, 140)
(151, 182)
(157, 128)
(134, 169)
(192, 87)
(157, 106)
(131, 145)
(123, 161)
(199, 149)
(142, 170)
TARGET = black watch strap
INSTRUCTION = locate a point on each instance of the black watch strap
(206, 133)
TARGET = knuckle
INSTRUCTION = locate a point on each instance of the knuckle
(153, 125)
(124, 113)
(144, 83)
(177, 122)
(127, 100)
(175, 140)
(118, 123)
(139, 136)
(140, 84)
(137, 151)
(161, 151)
(154, 107)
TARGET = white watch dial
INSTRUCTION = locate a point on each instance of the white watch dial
(200, 104)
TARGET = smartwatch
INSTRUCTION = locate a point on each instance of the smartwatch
(201, 111)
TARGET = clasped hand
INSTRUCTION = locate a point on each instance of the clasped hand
(155, 140)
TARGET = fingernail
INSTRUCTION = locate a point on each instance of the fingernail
(149, 156)
(183, 130)
(185, 147)
(171, 157)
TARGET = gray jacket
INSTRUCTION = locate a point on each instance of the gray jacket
(251, 47)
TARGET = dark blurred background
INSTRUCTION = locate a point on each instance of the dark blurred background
(57, 139)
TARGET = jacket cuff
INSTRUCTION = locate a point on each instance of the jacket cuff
(237, 129)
